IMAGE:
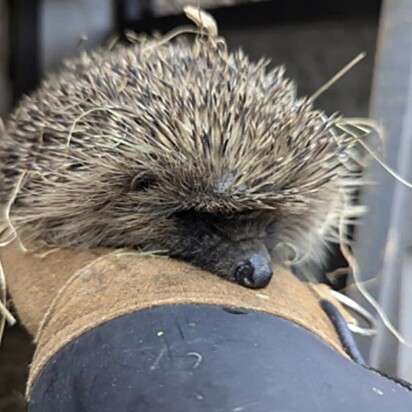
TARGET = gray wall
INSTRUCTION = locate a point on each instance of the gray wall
(313, 52)
(70, 26)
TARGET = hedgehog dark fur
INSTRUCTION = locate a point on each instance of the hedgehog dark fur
(181, 147)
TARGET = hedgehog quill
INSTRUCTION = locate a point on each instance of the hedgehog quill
(185, 148)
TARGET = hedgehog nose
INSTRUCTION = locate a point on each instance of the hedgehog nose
(255, 272)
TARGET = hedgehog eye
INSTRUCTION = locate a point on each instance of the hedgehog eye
(142, 181)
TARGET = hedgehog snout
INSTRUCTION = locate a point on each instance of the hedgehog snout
(255, 272)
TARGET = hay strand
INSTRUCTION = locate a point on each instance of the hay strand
(338, 76)
(360, 285)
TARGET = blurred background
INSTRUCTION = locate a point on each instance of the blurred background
(314, 39)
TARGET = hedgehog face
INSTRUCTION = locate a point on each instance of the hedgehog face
(196, 220)
(233, 246)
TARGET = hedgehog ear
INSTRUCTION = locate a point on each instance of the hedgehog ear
(142, 181)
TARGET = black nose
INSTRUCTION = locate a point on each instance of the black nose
(254, 272)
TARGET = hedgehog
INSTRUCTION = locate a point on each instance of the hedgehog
(184, 148)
